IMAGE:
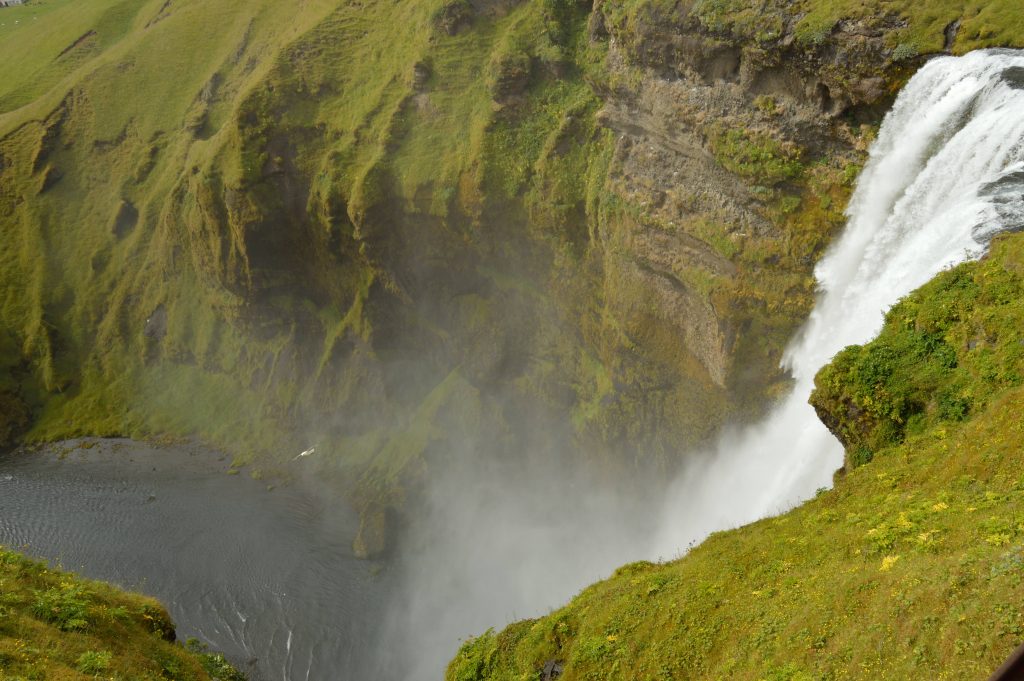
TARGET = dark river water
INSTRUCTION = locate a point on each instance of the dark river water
(266, 577)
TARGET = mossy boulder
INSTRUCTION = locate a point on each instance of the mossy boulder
(374, 535)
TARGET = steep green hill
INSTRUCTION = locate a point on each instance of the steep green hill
(54, 625)
(912, 567)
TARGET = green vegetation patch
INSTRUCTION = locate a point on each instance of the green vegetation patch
(54, 625)
(926, 26)
(912, 27)
(757, 156)
(944, 352)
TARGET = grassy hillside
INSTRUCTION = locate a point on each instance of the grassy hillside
(913, 27)
(54, 625)
(910, 568)
(206, 206)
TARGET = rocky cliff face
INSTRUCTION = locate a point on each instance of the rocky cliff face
(738, 157)
(400, 232)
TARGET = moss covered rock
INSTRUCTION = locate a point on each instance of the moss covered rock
(944, 352)
(374, 534)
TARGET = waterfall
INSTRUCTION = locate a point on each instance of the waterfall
(945, 174)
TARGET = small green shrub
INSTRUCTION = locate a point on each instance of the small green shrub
(756, 156)
(93, 662)
(953, 406)
(594, 649)
(215, 664)
(905, 51)
(157, 620)
(65, 606)
(559, 15)
(815, 30)
(766, 104)
(851, 172)
(788, 204)
(860, 456)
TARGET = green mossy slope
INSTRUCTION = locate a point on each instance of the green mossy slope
(912, 567)
(249, 222)
(54, 625)
(911, 28)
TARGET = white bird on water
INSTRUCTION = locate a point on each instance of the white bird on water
(311, 450)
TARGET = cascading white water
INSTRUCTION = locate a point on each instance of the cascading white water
(945, 174)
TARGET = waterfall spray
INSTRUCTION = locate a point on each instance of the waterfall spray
(497, 541)
(945, 174)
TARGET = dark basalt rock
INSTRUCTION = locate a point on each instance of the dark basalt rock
(1014, 77)
(156, 325)
(454, 16)
(552, 670)
(51, 178)
(420, 75)
(372, 540)
(950, 34)
(1007, 197)
(126, 219)
(511, 76)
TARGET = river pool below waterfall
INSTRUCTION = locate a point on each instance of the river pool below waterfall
(265, 576)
